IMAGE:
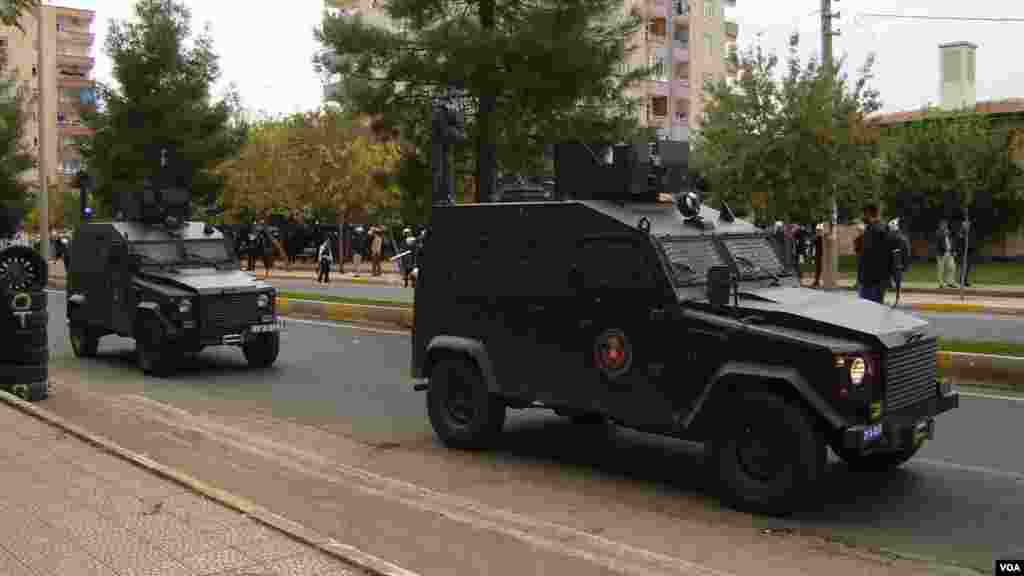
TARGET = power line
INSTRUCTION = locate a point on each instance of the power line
(946, 18)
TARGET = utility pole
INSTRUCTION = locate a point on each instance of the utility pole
(830, 270)
(486, 161)
(44, 164)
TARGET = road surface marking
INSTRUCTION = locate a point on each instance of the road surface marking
(1017, 476)
(991, 396)
(613, 555)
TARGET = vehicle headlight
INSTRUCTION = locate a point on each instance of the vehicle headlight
(857, 371)
(185, 306)
(262, 300)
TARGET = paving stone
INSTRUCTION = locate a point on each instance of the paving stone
(71, 561)
(11, 566)
(309, 563)
(272, 548)
(170, 568)
(194, 542)
(203, 513)
(217, 561)
(125, 552)
(84, 524)
(158, 527)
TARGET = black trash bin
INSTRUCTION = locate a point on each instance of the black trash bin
(24, 352)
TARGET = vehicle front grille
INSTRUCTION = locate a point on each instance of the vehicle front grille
(229, 311)
(910, 373)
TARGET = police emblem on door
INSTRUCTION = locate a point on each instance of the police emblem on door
(612, 353)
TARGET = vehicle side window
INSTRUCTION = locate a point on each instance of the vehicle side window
(613, 265)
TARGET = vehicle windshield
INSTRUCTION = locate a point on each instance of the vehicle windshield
(691, 257)
(755, 257)
(208, 252)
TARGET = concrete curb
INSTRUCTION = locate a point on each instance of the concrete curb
(392, 316)
(330, 546)
(948, 308)
(1006, 372)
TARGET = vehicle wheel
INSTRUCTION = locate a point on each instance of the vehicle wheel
(878, 462)
(262, 351)
(152, 352)
(768, 455)
(84, 341)
(462, 411)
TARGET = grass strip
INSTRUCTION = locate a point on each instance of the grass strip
(343, 299)
(997, 348)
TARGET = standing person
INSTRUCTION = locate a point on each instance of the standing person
(858, 251)
(946, 265)
(966, 235)
(376, 248)
(876, 264)
(324, 258)
(358, 246)
(819, 248)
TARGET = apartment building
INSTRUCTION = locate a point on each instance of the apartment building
(66, 77)
(696, 44)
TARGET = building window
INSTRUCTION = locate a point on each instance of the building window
(35, 141)
(709, 8)
(659, 106)
(658, 63)
(34, 71)
(709, 45)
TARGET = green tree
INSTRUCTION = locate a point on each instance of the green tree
(945, 162)
(162, 101)
(509, 60)
(15, 156)
(11, 11)
(781, 146)
(325, 164)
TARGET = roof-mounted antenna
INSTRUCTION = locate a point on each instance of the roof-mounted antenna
(726, 214)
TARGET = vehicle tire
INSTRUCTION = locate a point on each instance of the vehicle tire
(262, 351)
(878, 462)
(152, 352)
(768, 455)
(84, 341)
(27, 382)
(463, 413)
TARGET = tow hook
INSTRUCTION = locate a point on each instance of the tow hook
(421, 385)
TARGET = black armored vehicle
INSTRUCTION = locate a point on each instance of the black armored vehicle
(174, 286)
(626, 300)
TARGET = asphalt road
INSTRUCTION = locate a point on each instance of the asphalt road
(976, 327)
(960, 501)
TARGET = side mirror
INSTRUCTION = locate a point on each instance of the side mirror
(720, 283)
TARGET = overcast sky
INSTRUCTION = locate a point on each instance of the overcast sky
(266, 50)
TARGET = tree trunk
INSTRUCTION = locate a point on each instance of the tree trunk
(485, 159)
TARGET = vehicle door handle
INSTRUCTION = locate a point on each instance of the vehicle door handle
(535, 307)
(657, 313)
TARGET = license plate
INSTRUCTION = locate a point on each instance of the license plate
(262, 328)
(872, 433)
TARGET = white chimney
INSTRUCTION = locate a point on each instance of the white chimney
(956, 69)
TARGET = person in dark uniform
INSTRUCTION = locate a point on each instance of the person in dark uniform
(966, 235)
(324, 258)
(876, 264)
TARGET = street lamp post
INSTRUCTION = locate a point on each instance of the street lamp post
(44, 164)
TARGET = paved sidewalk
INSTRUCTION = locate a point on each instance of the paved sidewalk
(70, 509)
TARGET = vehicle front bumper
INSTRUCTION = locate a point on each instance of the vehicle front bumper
(897, 429)
(242, 334)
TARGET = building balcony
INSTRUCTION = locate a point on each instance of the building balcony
(76, 61)
(732, 30)
(660, 87)
(69, 81)
(682, 51)
(75, 37)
